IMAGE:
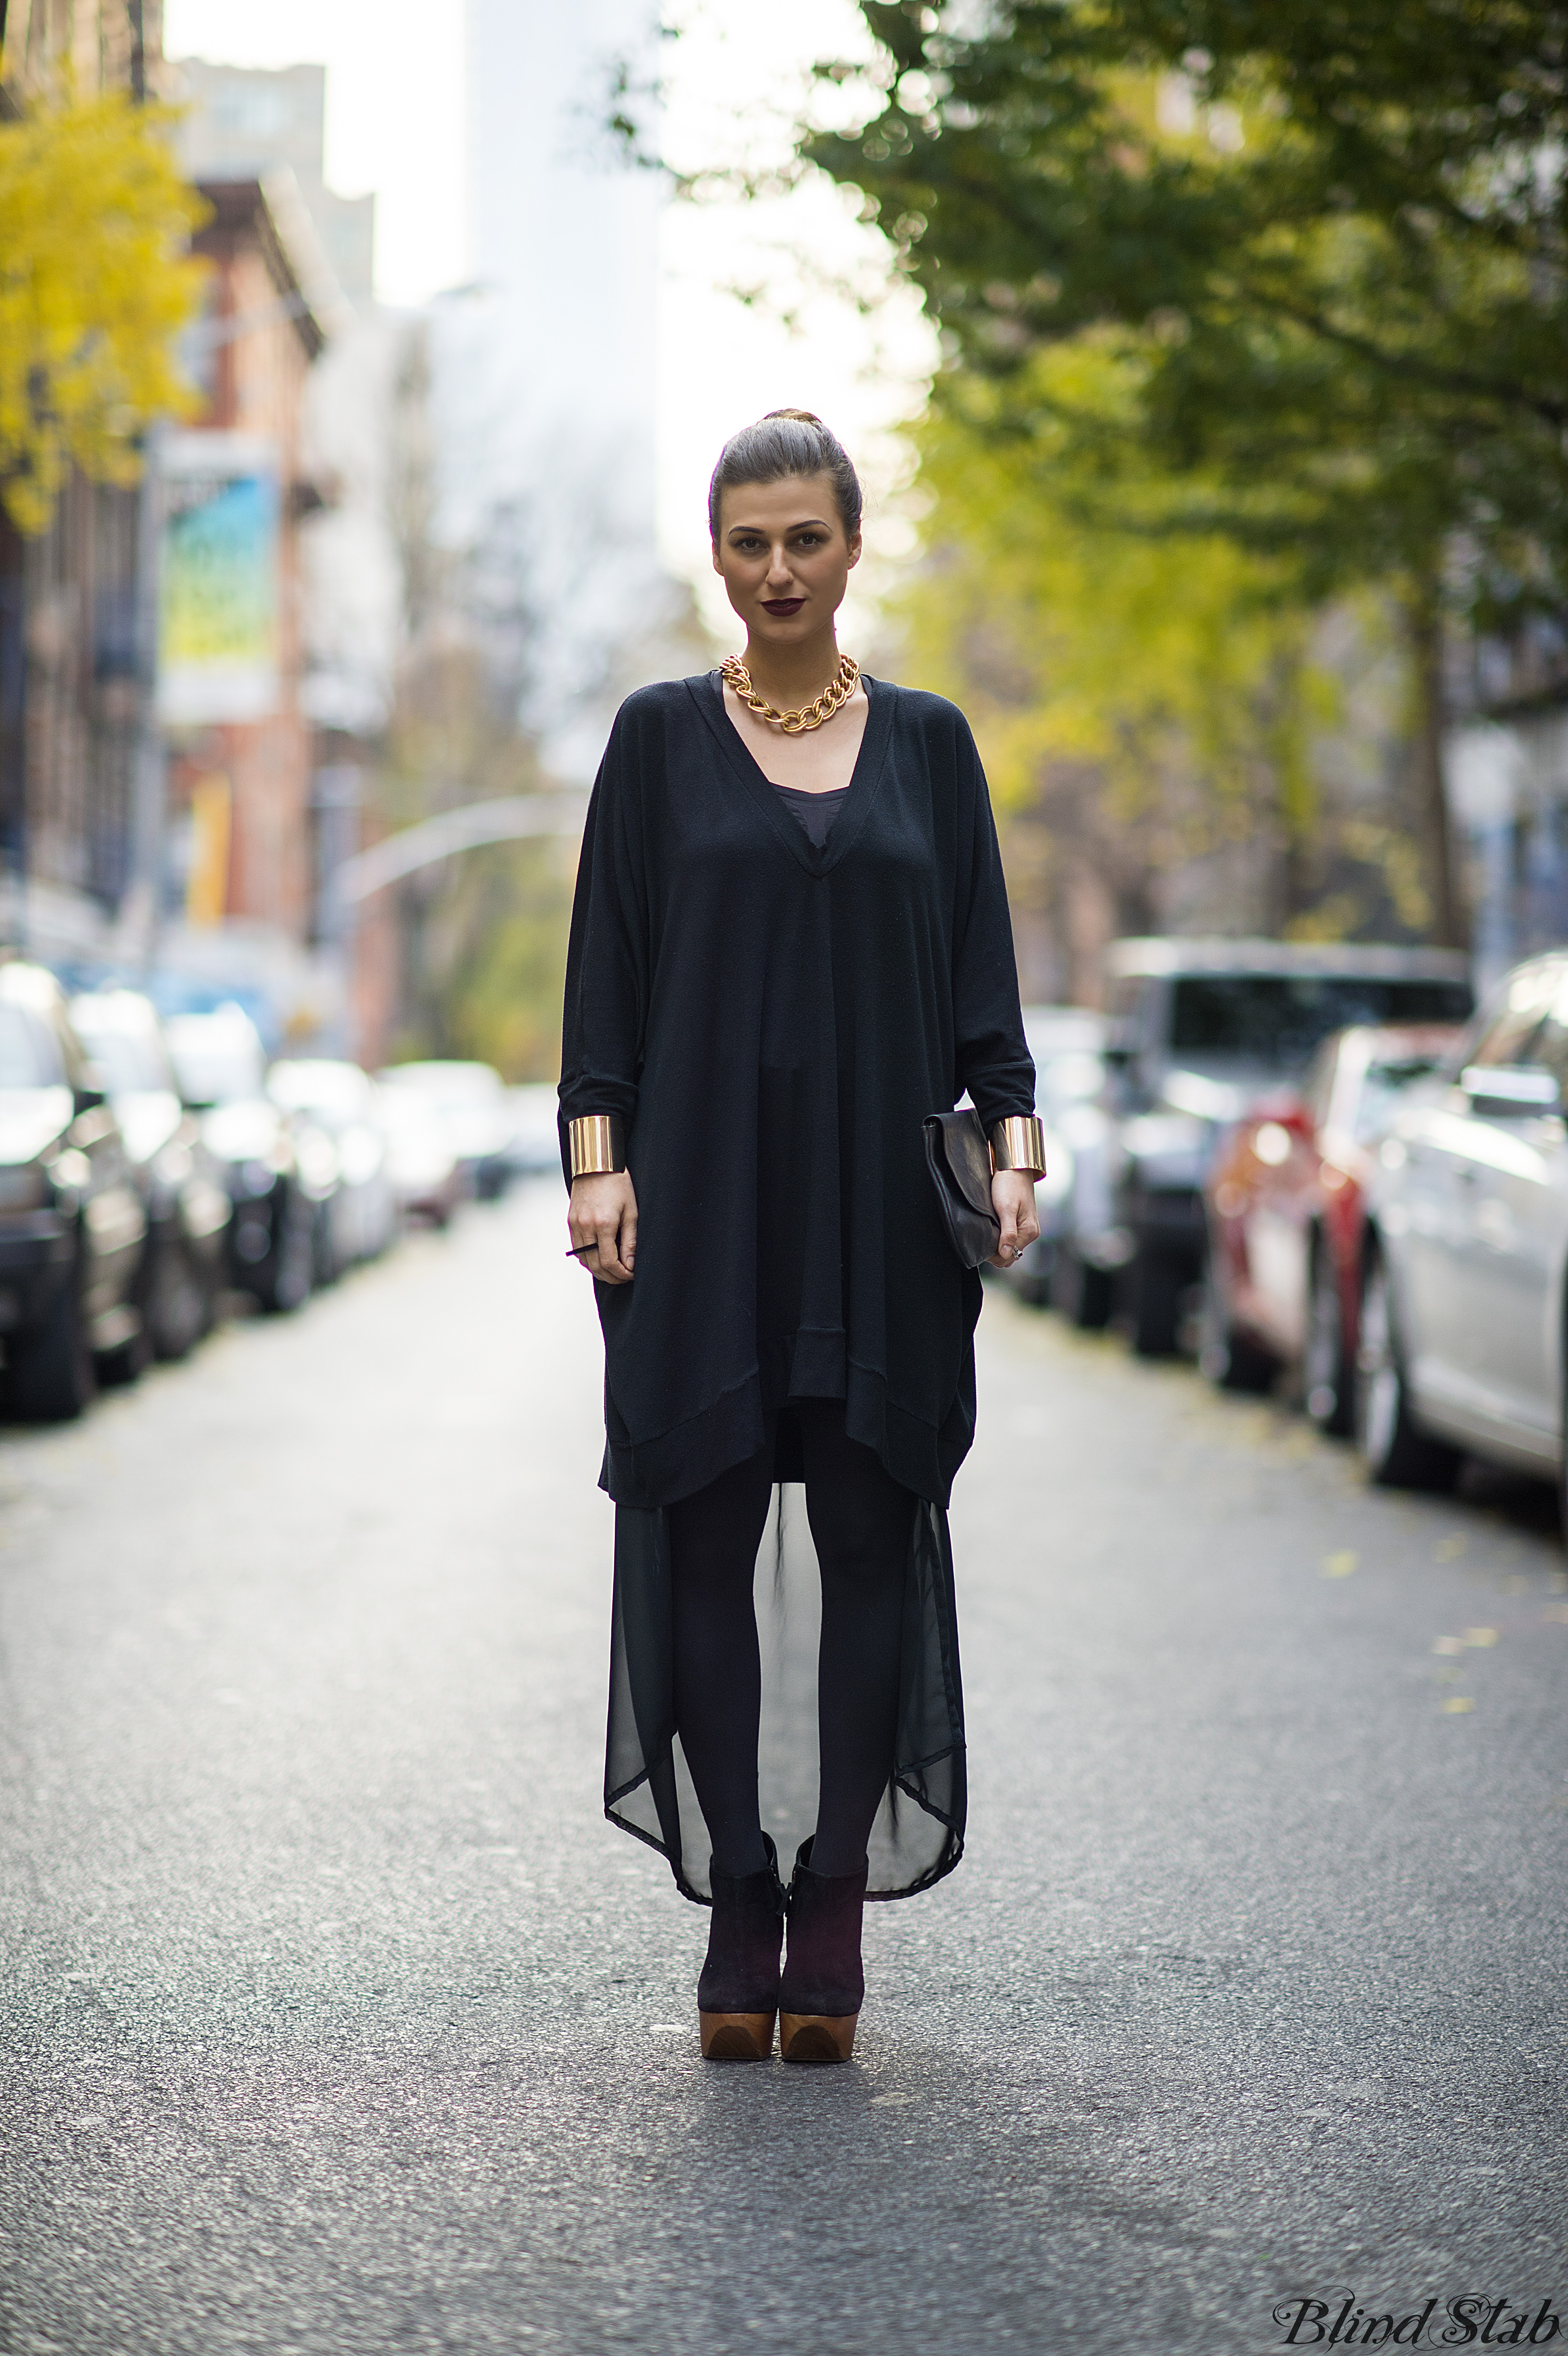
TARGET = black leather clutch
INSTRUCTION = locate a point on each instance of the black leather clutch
(960, 1161)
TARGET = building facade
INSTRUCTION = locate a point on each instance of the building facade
(72, 690)
(245, 122)
(1506, 760)
(362, 428)
(250, 777)
(164, 811)
(99, 43)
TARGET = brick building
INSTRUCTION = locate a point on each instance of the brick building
(252, 776)
(177, 841)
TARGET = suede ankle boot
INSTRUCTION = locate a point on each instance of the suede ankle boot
(738, 1994)
(823, 1986)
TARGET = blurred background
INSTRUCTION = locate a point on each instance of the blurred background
(400, 484)
(363, 389)
(360, 376)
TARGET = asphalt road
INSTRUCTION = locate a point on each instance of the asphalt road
(336, 2020)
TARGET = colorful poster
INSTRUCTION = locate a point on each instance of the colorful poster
(218, 589)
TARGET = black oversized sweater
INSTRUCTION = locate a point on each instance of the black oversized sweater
(772, 1021)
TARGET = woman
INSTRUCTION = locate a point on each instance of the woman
(790, 944)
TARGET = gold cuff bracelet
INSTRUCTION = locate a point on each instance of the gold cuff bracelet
(598, 1145)
(1019, 1143)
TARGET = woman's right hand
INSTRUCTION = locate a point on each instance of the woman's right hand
(603, 1223)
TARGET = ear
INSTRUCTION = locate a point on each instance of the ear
(854, 546)
(718, 567)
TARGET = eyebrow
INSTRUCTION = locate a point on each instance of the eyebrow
(799, 525)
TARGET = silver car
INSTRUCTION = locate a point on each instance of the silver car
(1067, 1044)
(1462, 1330)
(344, 1102)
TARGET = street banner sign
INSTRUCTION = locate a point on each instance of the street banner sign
(219, 595)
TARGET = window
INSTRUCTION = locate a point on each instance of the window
(1277, 1020)
(130, 1062)
(1318, 1088)
(217, 1061)
(1511, 1035)
(29, 1052)
(1382, 1083)
(1548, 1046)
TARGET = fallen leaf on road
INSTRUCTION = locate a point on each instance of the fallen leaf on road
(1450, 1549)
(1450, 1644)
(1340, 1566)
(1453, 1703)
(1480, 1635)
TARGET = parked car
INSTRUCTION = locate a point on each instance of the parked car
(344, 1103)
(72, 1228)
(1201, 1029)
(1285, 1203)
(184, 1191)
(1067, 1044)
(220, 1065)
(470, 1102)
(426, 1181)
(535, 1147)
(1463, 1338)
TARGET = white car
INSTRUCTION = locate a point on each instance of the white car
(342, 1100)
(279, 1178)
(420, 1164)
(470, 1103)
(1463, 1333)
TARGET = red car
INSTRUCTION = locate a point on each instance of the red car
(1286, 1209)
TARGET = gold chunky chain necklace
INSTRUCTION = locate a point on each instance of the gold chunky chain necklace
(834, 696)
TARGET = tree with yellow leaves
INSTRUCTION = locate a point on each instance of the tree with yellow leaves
(96, 283)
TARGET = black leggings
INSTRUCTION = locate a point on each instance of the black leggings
(861, 1522)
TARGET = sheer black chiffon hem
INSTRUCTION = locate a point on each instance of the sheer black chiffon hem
(918, 1835)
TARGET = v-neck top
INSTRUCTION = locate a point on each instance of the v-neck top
(772, 1018)
(815, 812)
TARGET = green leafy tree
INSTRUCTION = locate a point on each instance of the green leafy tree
(1146, 695)
(1325, 243)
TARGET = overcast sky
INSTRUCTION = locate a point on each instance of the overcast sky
(731, 78)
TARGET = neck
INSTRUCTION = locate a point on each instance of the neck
(791, 676)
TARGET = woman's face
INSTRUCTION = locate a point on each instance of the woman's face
(784, 556)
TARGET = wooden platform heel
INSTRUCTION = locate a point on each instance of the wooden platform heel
(816, 2036)
(738, 1994)
(823, 1985)
(736, 2036)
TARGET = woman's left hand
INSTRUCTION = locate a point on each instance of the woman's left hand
(1012, 1199)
